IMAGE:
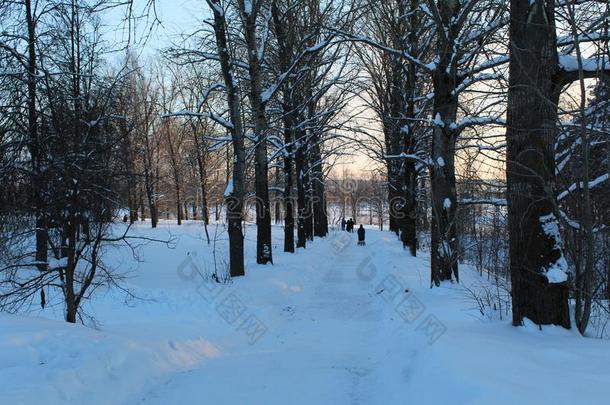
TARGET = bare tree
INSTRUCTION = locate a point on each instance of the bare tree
(234, 193)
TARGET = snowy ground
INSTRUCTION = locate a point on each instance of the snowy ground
(332, 324)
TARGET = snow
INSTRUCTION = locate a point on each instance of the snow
(569, 63)
(438, 121)
(592, 184)
(471, 121)
(316, 47)
(491, 201)
(331, 324)
(447, 203)
(247, 7)
(268, 93)
(408, 156)
(186, 113)
(217, 8)
(229, 190)
(557, 271)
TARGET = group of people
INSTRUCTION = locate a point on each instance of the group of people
(349, 227)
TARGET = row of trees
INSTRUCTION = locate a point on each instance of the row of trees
(261, 101)
(443, 73)
(281, 76)
(86, 139)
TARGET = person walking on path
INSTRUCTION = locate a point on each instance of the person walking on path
(361, 234)
(343, 223)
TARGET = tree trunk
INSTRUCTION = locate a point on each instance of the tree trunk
(150, 197)
(285, 45)
(149, 183)
(261, 175)
(407, 129)
(204, 198)
(539, 287)
(178, 203)
(70, 252)
(141, 204)
(235, 193)
(278, 211)
(288, 200)
(202, 180)
(320, 220)
(308, 213)
(301, 194)
(263, 211)
(444, 238)
(583, 312)
(35, 144)
(408, 232)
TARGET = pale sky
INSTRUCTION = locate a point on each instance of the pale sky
(180, 17)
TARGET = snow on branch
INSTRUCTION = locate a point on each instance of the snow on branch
(475, 79)
(472, 121)
(494, 147)
(200, 56)
(591, 128)
(186, 113)
(593, 183)
(569, 63)
(407, 156)
(208, 91)
(429, 67)
(500, 202)
(489, 64)
(584, 37)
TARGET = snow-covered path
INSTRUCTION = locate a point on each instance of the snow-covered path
(324, 343)
(332, 324)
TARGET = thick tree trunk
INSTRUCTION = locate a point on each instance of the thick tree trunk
(393, 171)
(35, 144)
(539, 287)
(141, 204)
(149, 185)
(131, 203)
(70, 250)
(278, 211)
(308, 213)
(288, 200)
(150, 197)
(408, 233)
(320, 220)
(286, 47)
(393, 207)
(319, 210)
(261, 175)
(444, 238)
(202, 179)
(409, 229)
(263, 211)
(301, 195)
(393, 131)
(235, 191)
